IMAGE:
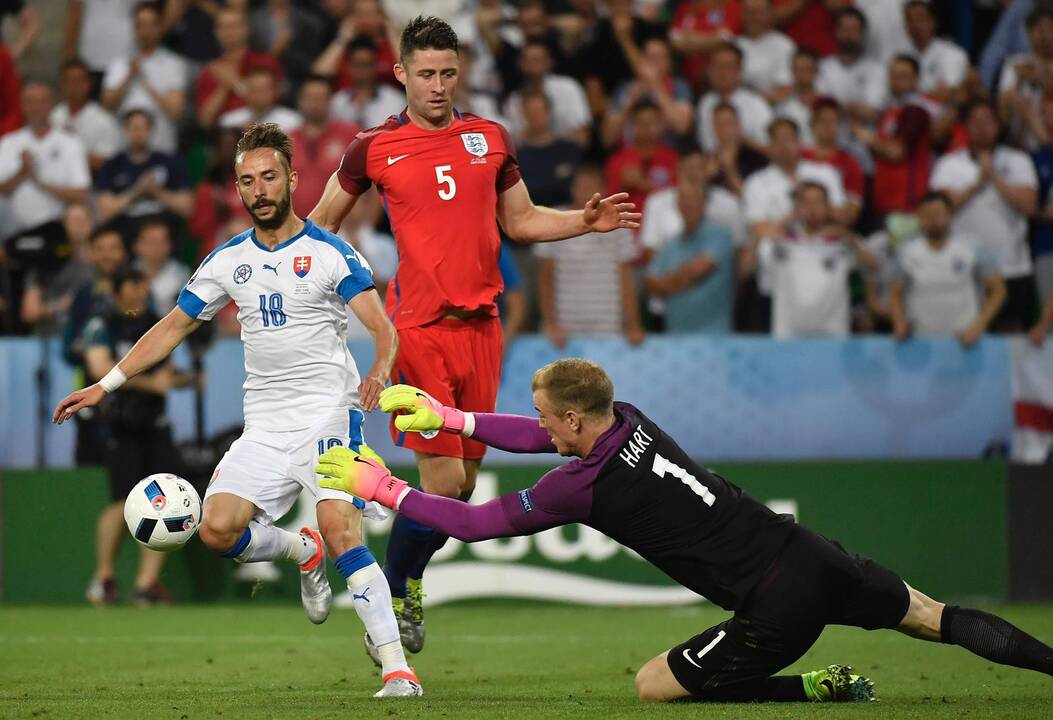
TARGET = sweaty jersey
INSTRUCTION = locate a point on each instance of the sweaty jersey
(440, 190)
(638, 487)
(293, 323)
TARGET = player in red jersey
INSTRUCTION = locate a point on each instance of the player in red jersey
(447, 179)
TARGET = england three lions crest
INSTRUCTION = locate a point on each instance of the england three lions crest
(475, 143)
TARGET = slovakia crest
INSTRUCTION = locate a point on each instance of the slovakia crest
(301, 265)
(242, 273)
(475, 143)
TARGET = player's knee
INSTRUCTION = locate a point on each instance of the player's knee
(339, 536)
(449, 483)
(219, 533)
(648, 685)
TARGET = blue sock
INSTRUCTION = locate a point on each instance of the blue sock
(354, 560)
(240, 545)
(406, 544)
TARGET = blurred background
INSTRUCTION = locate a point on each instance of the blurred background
(871, 359)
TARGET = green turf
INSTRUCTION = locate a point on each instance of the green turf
(482, 661)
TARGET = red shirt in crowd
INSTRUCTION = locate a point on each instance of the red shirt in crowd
(314, 160)
(852, 177)
(705, 16)
(440, 189)
(812, 28)
(898, 185)
(659, 169)
(10, 93)
(208, 84)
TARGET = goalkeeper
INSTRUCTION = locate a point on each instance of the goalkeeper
(632, 482)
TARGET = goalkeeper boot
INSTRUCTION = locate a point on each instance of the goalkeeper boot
(837, 683)
(315, 592)
(397, 607)
(411, 620)
(401, 684)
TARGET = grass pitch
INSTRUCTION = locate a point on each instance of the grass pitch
(262, 661)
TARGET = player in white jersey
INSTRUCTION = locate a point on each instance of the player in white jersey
(290, 280)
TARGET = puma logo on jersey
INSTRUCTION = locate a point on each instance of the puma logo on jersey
(393, 160)
(268, 267)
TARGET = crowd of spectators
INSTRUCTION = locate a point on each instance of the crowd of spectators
(804, 167)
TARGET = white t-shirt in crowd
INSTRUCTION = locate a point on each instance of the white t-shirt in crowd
(987, 216)
(166, 285)
(59, 160)
(663, 222)
(754, 115)
(106, 32)
(288, 120)
(1009, 80)
(809, 285)
(886, 29)
(164, 71)
(385, 102)
(570, 107)
(96, 128)
(768, 193)
(767, 61)
(864, 81)
(793, 109)
(943, 286)
(941, 63)
(587, 280)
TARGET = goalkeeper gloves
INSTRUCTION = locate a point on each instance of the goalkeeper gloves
(362, 474)
(420, 412)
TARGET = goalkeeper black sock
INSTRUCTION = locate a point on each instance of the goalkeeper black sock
(993, 638)
(780, 688)
(430, 546)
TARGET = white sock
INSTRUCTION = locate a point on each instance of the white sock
(267, 542)
(372, 601)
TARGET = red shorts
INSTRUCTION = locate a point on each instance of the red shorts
(457, 362)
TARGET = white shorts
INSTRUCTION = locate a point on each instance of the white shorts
(271, 468)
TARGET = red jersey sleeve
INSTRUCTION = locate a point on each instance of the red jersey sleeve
(508, 174)
(913, 125)
(852, 177)
(352, 173)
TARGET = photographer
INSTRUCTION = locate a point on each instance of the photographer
(138, 435)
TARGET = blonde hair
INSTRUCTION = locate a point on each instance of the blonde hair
(576, 384)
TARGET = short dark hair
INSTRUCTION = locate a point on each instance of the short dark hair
(731, 48)
(643, 105)
(1038, 15)
(262, 70)
(936, 196)
(138, 111)
(688, 146)
(806, 52)
(150, 5)
(153, 221)
(783, 121)
(910, 60)
(920, 3)
(534, 95)
(973, 105)
(725, 106)
(825, 102)
(265, 135)
(126, 274)
(811, 185)
(316, 78)
(850, 11)
(426, 33)
(75, 63)
(361, 42)
(104, 229)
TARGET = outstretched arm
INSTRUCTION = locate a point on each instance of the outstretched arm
(525, 222)
(153, 347)
(420, 412)
(333, 206)
(552, 502)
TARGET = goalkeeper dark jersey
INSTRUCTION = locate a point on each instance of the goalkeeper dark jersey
(636, 486)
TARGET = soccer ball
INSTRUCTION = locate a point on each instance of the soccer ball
(163, 511)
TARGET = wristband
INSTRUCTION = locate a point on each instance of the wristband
(469, 424)
(113, 379)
